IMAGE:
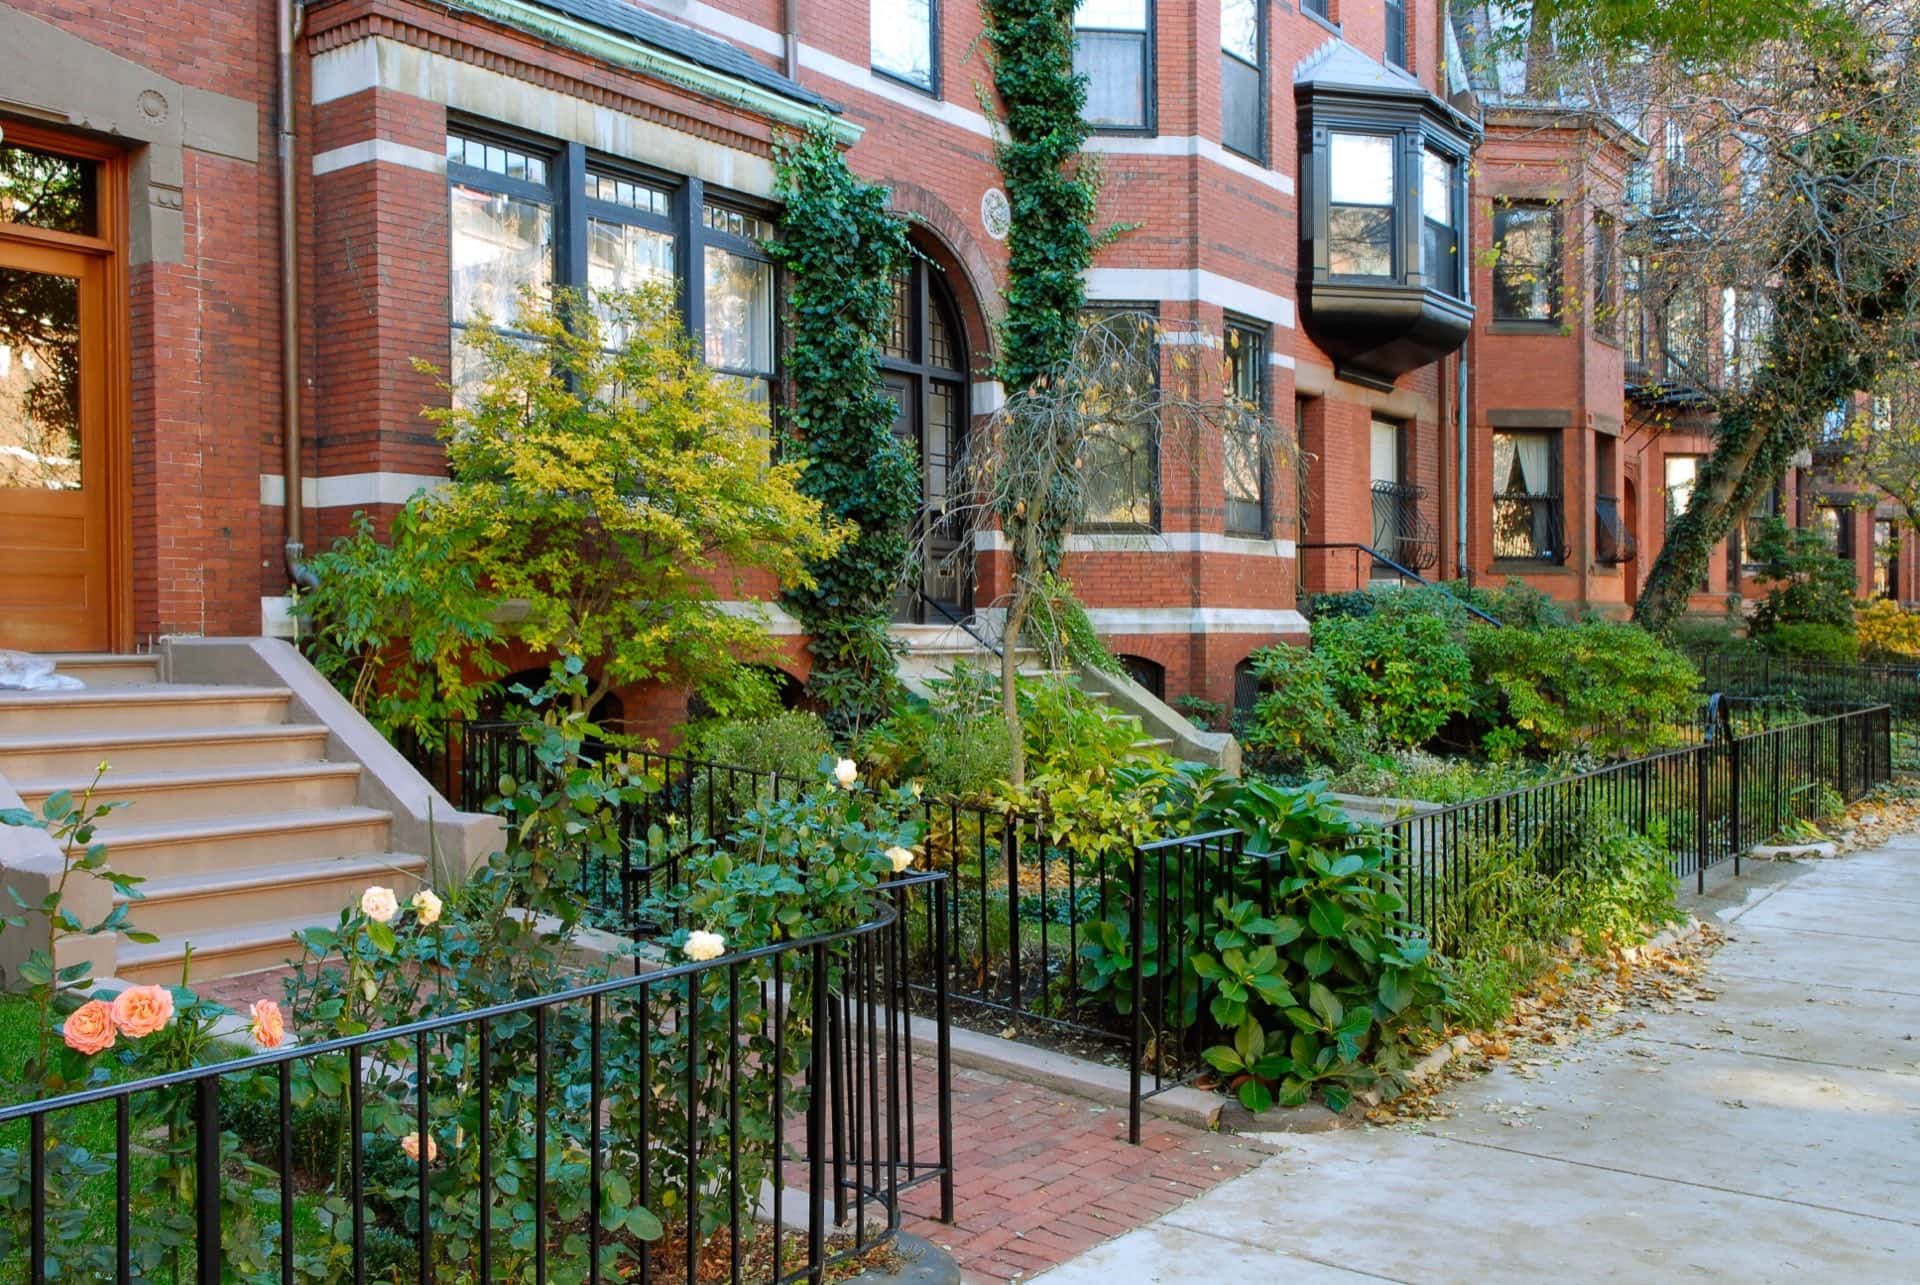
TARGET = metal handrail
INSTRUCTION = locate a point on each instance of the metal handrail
(1415, 576)
(969, 630)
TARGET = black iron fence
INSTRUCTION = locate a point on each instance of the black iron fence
(755, 1116)
(1708, 803)
(1822, 687)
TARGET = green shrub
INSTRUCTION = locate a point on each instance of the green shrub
(1806, 640)
(1399, 673)
(1414, 774)
(1500, 930)
(1298, 721)
(1515, 604)
(1603, 687)
(1810, 584)
(789, 744)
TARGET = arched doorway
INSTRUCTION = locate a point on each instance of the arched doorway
(924, 362)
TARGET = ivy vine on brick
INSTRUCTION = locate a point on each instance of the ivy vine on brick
(841, 248)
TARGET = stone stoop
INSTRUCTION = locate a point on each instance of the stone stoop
(933, 650)
(242, 827)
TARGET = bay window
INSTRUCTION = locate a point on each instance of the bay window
(1526, 273)
(1113, 49)
(1383, 218)
(1526, 497)
(1360, 205)
(1243, 77)
(519, 223)
(903, 41)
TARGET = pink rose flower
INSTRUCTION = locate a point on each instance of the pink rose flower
(89, 1028)
(269, 1028)
(141, 1010)
(411, 1145)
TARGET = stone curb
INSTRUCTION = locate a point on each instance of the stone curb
(1064, 1073)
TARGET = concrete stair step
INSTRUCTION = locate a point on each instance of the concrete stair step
(70, 754)
(140, 707)
(186, 905)
(106, 669)
(159, 850)
(209, 793)
(226, 951)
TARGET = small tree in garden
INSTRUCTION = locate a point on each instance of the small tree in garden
(610, 489)
(1110, 413)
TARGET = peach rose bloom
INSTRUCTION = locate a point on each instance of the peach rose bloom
(411, 1145)
(269, 1027)
(142, 1010)
(89, 1028)
(379, 904)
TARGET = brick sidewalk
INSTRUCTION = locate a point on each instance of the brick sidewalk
(1041, 1177)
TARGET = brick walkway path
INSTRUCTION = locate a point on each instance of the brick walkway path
(1041, 1177)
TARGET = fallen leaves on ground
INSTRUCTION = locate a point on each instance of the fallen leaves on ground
(1580, 996)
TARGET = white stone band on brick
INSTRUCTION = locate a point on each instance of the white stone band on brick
(1188, 285)
(386, 150)
(1155, 542)
(349, 490)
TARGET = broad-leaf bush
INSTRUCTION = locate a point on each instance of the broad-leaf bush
(1298, 722)
(1609, 689)
(1401, 674)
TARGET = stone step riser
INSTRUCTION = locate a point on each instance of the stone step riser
(211, 800)
(160, 860)
(108, 713)
(181, 913)
(163, 969)
(109, 671)
(46, 762)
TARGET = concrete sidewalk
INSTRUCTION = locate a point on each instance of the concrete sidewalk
(1770, 1134)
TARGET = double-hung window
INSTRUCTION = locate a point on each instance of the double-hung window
(904, 42)
(1246, 470)
(738, 310)
(1606, 285)
(520, 223)
(1526, 497)
(1396, 42)
(1113, 49)
(1121, 462)
(1526, 273)
(1440, 241)
(1243, 77)
(1360, 189)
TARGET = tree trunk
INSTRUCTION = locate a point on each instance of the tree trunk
(1682, 563)
(1017, 607)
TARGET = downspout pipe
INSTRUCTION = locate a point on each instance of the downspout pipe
(290, 433)
(792, 25)
(1460, 427)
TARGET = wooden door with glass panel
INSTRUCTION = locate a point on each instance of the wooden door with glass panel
(56, 464)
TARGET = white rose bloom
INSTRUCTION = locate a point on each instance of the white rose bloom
(705, 945)
(426, 907)
(846, 772)
(379, 904)
(900, 857)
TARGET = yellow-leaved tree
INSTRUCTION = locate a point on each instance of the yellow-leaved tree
(610, 492)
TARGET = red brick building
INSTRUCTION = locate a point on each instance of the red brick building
(1298, 175)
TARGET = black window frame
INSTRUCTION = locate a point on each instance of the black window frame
(1399, 31)
(1257, 338)
(1413, 135)
(1262, 125)
(1091, 525)
(567, 166)
(1454, 287)
(1605, 323)
(1556, 274)
(547, 191)
(1320, 11)
(1149, 72)
(932, 87)
(1546, 509)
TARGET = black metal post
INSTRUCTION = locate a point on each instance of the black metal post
(206, 1177)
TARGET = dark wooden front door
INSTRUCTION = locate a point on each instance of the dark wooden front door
(925, 363)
